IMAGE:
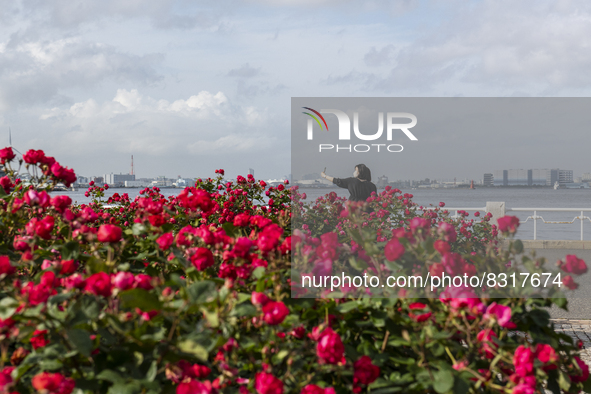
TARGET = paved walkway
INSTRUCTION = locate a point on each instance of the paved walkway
(577, 329)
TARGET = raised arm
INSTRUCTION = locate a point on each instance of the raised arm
(327, 177)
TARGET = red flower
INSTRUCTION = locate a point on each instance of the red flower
(109, 233)
(266, 383)
(259, 298)
(202, 258)
(442, 247)
(68, 267)
(44, 227)
(573, 265)
(60, 203)
(569, 282)
(6, 184)
(448, 232)
(38, 339)
(241, 220)
(394, 250)
(580, 376)
(34, 156)
(144, 281)
(419, 318)
(330, 348)
(32, 197)
(53, 383)
(269, 237)
(64, 174)
(546, 354)
(124, 280)
(488, 345)
(6, 378)
(313, 389)
(165, 240)
(5, 267)
(6, 154)
(508, 224)
(99, 284)
(275, 312)
(365, 371)
(298, 332)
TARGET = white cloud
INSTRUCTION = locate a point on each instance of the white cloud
(151, 126)
(34, 72)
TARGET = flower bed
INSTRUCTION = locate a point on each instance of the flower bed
(192, 294)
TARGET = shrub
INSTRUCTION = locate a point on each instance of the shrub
(191, 294)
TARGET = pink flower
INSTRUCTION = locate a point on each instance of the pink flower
(499, 312)
(523, 359)
(34, 198)
(447, 231)
(259, 299)
(266, 383)
(124, 280)
(330, 348)
(508, 224)
(274, 312)
(394, 250)
(417, 224)
(365, 371)
(523, 388)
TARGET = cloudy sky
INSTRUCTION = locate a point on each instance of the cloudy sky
(191, 86)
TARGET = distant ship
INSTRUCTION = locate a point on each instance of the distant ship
(556, 185)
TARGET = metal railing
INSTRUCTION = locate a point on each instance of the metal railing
(535, 216)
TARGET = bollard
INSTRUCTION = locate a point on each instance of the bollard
(497, 209)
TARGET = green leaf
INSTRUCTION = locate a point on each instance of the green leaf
(7, 307)
(230, 229)
(244, 310)
(138, 229)
(152, 372)
(258, 272)
(202, 292)
(192, 347)
(81, 341)
(212, 317)
(444, 381)
(348, 306)
(563, 381)
(517, 246)
(140, 298)
(133, 387)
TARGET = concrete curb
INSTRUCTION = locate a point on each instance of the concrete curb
(552, 244)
